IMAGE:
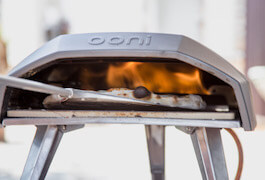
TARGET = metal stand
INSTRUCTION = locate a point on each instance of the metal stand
(208, 147)
(206, 141)
(43, 149)
(155, 136)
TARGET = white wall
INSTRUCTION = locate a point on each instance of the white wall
(223, 29)
(180, 17)
(21, 28)
(104, 15)
(217, 24)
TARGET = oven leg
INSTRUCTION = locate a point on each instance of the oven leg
(155, 136)
(208, 147)
(42, 151)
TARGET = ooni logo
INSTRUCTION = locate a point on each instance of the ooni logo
(118, 40)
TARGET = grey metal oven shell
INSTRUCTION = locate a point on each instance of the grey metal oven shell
(135, 45)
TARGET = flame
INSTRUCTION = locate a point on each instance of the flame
(157, 77)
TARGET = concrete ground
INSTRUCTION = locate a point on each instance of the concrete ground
(99, 152)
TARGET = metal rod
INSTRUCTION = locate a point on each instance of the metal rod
(155, 136)
(43, 148)
(66, 92)
(34, 86)
(98, 97)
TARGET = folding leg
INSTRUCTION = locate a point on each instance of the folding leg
(155, 135)
(208, 147)
(43, 148)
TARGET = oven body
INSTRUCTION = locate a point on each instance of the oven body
(137, 45)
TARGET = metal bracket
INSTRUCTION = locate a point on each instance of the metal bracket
(43, 149)
(186, 129)
(69, 128)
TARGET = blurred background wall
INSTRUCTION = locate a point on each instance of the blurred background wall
(220, 25)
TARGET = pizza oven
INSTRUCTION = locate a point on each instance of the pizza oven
(152, 79)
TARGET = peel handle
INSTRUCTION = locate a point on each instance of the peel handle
(34, 86)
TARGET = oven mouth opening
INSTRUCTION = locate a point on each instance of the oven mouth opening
(162, 77)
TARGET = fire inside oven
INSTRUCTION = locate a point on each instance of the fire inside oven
(150, 79)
